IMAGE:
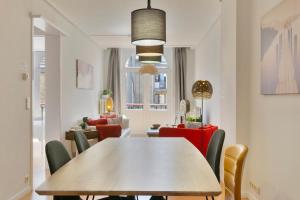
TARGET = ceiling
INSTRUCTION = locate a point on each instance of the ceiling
(108, 21)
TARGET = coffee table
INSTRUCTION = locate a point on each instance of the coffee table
(152, 132)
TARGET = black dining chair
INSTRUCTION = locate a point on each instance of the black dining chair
(57, 157)
(214, 151)
(81, 141)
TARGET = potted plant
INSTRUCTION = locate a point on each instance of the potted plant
(106, 93)
(84, 123)
(193, 119)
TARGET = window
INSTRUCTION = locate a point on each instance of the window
(144, 91)
(159, 92)
(134, 91)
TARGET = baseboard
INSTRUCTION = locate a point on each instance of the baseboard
(21, 193)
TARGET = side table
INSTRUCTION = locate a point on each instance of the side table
(90, 134)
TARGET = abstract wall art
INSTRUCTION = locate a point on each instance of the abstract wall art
(84, 75)
(280, 49)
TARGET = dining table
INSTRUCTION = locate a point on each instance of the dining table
(135, 166)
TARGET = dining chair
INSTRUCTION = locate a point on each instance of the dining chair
(57, 157)
(233, 170)
(214, 151)
(81, 141)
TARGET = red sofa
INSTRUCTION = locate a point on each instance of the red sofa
(199, 137)
(104, 129)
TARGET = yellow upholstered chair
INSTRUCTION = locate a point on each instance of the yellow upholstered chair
(233, 169)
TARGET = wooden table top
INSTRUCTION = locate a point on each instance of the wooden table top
(135, 166)
(90, 134)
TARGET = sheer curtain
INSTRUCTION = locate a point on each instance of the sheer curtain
(113, 79)
(180, 75)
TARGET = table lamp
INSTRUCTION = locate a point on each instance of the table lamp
(109, 104)
(202, 90)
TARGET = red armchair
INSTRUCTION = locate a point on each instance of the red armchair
(199, 137)
(104, 129)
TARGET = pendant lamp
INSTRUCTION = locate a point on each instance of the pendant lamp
(150, 50)
(150, 59)
(148, 69)
(148, 26)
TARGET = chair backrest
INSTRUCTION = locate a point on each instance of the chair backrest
(233, 169)
(58, 156)
(81, 141)
(214, 151)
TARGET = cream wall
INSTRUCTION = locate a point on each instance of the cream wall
(15, 52)
(228, 70)
(273, 124)
(208, 67)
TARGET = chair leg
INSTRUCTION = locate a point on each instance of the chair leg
(87, 197)
(206, 197)
(166, 197)
(93, 197)
(213, 198)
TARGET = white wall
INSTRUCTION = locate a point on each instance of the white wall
(15, 50)
(208, 67)
(273, 130)
(228, 70)
(52, 88)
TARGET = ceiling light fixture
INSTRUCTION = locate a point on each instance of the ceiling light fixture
(150, 59)
(148, 69)
(148, 26)
(150, 50)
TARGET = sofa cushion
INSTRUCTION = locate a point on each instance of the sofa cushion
(107, 131)
(94, 122)
(108, 116)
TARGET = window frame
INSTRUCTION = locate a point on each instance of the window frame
(148, 82)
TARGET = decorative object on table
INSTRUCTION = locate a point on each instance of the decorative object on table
(150, 50)
(148, 26)
(148, 69)
(83, 124)
(155, 126)
(84, 75)
(104, 95)
(184, 107)
(193, 122)
(109, 104)
(150, 59)
(202, 90)
(280, 55)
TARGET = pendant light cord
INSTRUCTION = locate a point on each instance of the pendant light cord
(149, 4)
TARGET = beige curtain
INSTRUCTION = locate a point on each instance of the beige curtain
(113, 79)
(180, 75)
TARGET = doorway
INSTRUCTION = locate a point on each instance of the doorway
(46, 96)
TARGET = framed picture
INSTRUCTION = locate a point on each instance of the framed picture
(84, 75)
(280, 49)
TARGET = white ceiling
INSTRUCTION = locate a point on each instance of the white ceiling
(108, 21)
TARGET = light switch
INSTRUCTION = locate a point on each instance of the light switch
(28, 103)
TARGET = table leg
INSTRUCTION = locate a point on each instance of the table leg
(73, 148)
